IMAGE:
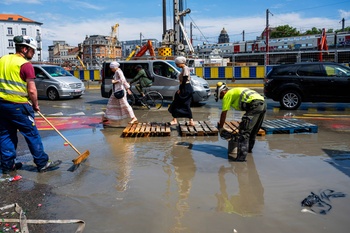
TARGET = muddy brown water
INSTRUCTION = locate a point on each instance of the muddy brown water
(186, 184)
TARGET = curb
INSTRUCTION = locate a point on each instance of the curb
(212, 84)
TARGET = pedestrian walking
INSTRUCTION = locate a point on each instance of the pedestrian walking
(181, 105)
(118, 109)
(17, 86)
(254, 105)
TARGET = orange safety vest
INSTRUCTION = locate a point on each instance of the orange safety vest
(12, 87)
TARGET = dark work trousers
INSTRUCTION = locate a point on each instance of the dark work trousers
(13, 118)
(181, 106)
(254, 117)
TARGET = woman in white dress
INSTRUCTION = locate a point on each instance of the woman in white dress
(118, 109)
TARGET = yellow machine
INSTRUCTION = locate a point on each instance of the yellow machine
(132, 53)
(81, 62)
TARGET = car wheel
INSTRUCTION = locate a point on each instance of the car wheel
(290, 100)
(52, 94)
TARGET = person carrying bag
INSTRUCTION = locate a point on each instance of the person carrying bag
(118, 107)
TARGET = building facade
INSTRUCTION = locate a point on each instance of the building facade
(12, 25)
(98, 48)
(223, 37)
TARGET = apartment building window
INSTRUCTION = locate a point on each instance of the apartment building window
(9, 31)
(24, 31)
(11, 44)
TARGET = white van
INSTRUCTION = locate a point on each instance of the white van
(54, 82)
(165, 78)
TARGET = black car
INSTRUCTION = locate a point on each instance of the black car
(308, 82)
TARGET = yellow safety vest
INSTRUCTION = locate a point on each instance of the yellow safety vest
(12, 87)
(236, 96)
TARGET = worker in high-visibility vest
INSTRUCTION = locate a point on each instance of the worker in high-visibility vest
(17, 86)
(254, 105)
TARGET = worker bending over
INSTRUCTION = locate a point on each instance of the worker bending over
(254, 105)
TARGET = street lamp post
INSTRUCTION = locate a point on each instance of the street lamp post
(38, 40)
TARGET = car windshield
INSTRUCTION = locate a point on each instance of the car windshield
(335, 70)
(179, 69)
(56, 71)
(174, 65)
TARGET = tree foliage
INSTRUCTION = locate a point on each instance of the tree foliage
(284, 31)
(288, 31)
(313, 31)
(346, 29)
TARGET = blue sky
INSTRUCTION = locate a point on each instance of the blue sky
(73, 20)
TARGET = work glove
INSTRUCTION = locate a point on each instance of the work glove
(224, 134)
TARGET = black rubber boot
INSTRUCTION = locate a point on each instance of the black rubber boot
(232, 149)
(242, 150)
(251, 146)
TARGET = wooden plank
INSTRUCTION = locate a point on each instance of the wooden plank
(143, 128)
(212, 128)
(205, 127)
(199, 128)
(288, 126)
(126, 130)
(234, 126)
(184, 130)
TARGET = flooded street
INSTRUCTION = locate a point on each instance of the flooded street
(186, 184)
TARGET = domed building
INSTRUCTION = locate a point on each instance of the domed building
(223, 37)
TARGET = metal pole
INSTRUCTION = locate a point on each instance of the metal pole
(164, 18)
(267, 37)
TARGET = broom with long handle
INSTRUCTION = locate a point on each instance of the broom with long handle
(82, 156)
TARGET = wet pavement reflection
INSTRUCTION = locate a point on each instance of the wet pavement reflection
(186, 184)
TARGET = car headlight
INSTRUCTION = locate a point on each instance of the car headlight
(195, 83)
(64, 85)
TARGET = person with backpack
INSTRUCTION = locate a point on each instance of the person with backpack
(142, 79)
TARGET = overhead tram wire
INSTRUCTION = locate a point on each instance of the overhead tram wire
(170, 13)
(198, 29)
(308, 8)
(314, 7)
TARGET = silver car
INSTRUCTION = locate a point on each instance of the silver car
(54, 82)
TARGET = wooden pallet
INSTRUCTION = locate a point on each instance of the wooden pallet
(288, 126)
(147, 129)
(234, 126)
(200, 128)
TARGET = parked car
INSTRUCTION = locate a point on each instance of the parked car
(308, 82)
(165, 78)
(54, 82)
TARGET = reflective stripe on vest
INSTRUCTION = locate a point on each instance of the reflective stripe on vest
(248, 96)
(12, 87)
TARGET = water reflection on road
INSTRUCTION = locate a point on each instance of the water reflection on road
(186, 184)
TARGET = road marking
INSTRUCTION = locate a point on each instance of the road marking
(78, 114)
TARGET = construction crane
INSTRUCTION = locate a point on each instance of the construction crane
(112, 42)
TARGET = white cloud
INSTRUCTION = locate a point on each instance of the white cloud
(74, 31)
(9, 2)
(344, 14)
